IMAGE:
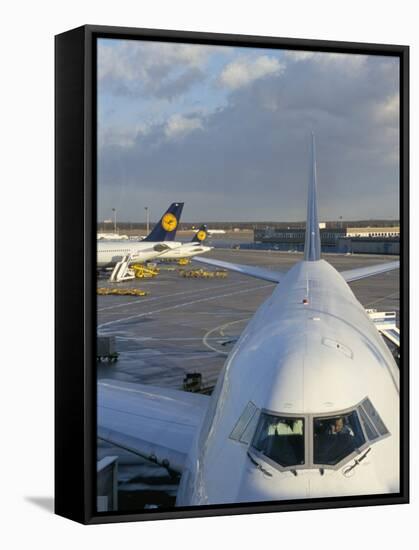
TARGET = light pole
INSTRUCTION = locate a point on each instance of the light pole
(147, 213)
(114, 219)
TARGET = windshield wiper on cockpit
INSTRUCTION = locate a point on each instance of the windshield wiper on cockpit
(357, 461)
(258, 466)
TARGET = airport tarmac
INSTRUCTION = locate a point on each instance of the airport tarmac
(189, 325)
(178, 327)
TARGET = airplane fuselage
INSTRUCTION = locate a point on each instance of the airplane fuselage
(309, 358)
(187, 250)
(111, 252)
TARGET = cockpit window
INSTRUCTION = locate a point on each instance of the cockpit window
(281, 439)
(245, 426)
(336, 437)
(368, 408)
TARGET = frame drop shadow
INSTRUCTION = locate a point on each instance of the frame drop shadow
(45, 503)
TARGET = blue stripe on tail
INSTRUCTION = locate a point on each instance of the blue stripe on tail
(312, 247)
(165, 229)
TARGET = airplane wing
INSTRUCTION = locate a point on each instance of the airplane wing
(253, 271)
(362, 272)
(392, 334)
(156, 423)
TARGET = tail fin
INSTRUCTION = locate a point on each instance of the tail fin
(165, 229)
(312, 247)
(201, 234)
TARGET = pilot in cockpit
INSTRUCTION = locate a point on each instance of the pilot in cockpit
(339, 426)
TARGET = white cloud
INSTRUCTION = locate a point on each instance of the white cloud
(343, 61)
(257, 144)
(179, 126)
(297, 55)
(151, 68)
(131, 59)
(121, 136)
(243, 72)
(347, 62)
(388, 110)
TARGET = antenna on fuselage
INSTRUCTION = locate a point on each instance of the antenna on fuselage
(312, 247)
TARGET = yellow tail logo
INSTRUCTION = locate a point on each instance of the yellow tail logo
(169, 222)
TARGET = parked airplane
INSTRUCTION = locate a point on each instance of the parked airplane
(111, 237)
(160, 239)
(307, 403)
(187, 250)
(217, 231)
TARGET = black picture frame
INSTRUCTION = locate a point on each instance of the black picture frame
(75, 296)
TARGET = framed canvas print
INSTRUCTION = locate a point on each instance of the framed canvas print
(231, 274)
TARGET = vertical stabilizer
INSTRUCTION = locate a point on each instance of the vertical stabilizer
(200, 235)
(165, 229)
(312, 242)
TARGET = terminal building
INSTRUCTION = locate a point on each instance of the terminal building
(373, 232)
(352, 240)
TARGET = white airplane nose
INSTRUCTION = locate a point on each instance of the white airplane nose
(263, 483)
(266, 483)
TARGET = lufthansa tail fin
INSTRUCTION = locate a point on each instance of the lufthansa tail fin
(312, 247)
(165, 229)
(200, 235)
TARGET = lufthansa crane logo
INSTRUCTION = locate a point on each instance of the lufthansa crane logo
(169, 222)
(201, 235)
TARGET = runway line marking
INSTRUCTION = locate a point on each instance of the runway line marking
(185, 304)
(206, 338)
(169, 296)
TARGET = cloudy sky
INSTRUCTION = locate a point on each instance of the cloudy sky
(227, 131)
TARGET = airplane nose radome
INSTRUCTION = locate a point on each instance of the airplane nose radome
(257, 486)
